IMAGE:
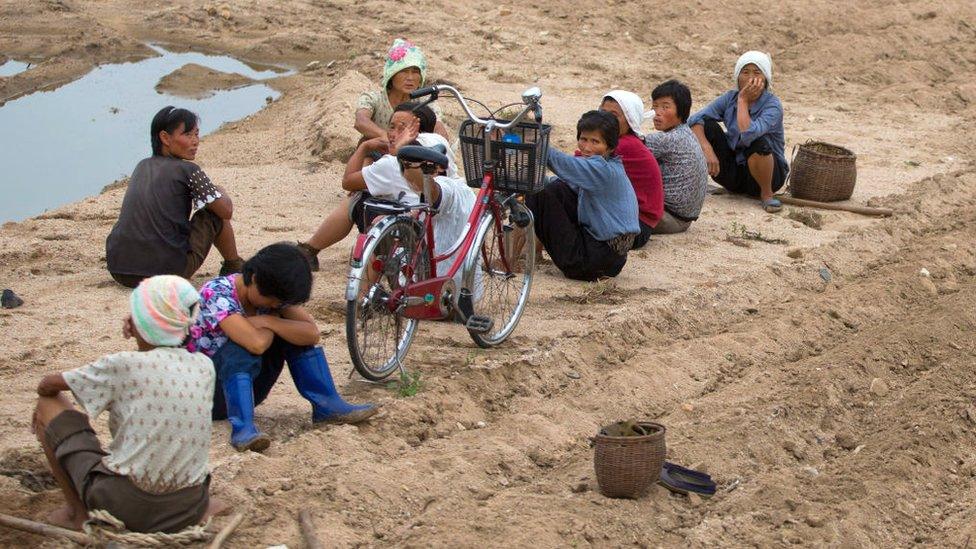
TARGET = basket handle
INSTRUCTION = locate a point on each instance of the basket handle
(789, 178)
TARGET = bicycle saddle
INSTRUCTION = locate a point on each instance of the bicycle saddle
(416, 153)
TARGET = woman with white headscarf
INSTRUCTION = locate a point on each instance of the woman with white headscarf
(639, 163)
(748, 156)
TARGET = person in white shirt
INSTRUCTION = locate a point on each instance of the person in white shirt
(373, 171)
(155, 474)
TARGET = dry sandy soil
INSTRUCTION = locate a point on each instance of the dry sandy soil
(836, 413)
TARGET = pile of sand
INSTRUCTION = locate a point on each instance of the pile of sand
(197, 82)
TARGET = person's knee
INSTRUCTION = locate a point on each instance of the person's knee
(233, 358)
(48, 408)
(761, 148)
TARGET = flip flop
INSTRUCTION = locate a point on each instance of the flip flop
(772, 205)
(684, 481)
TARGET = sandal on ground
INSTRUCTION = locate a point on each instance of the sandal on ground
(772, 205)
(681, 480)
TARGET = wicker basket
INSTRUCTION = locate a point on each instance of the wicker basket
(519, 167)
(626, 466)
(823, 172)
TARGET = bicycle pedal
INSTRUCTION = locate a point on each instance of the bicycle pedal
(479, 324)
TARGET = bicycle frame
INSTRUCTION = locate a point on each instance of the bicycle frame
(462, 299)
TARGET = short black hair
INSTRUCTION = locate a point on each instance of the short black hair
(603, 122)
(280, 271)
(168, 119)
(423, 112)
(679, 93)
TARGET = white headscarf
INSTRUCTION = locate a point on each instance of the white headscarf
(633, 107)
(431, 139)
(757, 58)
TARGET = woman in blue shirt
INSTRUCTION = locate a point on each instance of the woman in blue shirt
(747, 157)
(587, 218)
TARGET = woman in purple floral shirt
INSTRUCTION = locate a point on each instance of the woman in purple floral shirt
(250, 325)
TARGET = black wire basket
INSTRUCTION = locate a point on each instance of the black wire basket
(520, 161)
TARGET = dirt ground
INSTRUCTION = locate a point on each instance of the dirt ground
(834, 412)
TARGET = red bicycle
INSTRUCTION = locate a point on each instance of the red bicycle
(393, 282)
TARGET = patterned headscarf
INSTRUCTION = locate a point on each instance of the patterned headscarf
(757, 58)
(163, 309)
(403, 54)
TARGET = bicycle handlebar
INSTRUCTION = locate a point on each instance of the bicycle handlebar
(530, 97)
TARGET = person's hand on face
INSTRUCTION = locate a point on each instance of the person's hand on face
(753, 89)
(409, 134)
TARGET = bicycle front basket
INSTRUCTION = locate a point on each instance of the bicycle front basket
(520, 167)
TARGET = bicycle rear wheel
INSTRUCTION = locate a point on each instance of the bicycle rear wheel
(378, 336)
(500, 282)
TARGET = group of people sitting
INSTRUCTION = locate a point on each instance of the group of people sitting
(215, 352)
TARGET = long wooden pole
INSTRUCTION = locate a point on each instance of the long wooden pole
(308, 530)
(863, 210)
(218, 541)
(44, 529)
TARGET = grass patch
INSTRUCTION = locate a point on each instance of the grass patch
(408, 385)
(601, 291)
(739, 234)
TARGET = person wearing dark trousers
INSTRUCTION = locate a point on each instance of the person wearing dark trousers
(748, 155)
(587, 217)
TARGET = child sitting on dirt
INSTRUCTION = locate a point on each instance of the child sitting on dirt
(639, 163)
(748, 156)
(365, 178)
(587, 218)
(404, 71)
(155, 476)
(250, 324)
(155, 233)
(680, 157)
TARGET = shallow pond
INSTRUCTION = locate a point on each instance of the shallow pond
(12, 67)
(63, 145)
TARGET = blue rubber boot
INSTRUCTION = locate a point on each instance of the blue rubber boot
(239, 396)
(310, 371)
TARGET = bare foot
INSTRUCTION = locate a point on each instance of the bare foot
(215, 508)
(67, 517)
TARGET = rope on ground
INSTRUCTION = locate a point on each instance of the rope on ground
(103, 528)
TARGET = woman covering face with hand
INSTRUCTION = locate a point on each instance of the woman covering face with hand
(747, 157)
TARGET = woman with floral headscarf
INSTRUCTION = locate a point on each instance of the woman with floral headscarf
(405, 71)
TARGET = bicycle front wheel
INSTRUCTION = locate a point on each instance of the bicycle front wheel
(377, 335)
(500, 280)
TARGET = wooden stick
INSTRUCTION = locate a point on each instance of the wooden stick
(863, 210)
(44, 529)
(308, 530)
(226, 532)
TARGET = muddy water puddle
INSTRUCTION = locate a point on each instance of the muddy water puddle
(66, 144)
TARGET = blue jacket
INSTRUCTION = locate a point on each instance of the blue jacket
(607, 204)
(767, 119)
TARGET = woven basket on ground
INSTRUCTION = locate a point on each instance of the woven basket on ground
(823, 172)
(627, 465)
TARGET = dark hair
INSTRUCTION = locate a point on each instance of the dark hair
(168, 119)
(679, 93)
(280, 271)
(426, 115)
(603, 122)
